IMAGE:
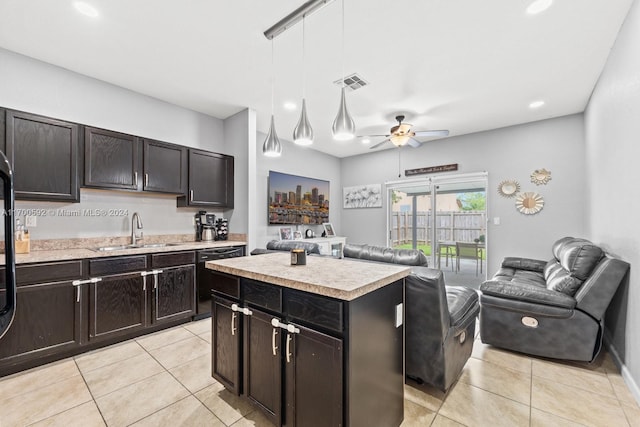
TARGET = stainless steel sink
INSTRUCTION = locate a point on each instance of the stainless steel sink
(124, 247)
(157, 245)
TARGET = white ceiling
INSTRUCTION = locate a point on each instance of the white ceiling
(462, 65)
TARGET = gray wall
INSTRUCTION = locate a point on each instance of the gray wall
(37, 87)
(239, 142)
(507, 153)
(295, 160)
(612, 127)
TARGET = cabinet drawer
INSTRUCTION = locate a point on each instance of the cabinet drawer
(262, 295)
(117, 265)
(46, 272)
(314, 309)
(228, 285)
(173, 259)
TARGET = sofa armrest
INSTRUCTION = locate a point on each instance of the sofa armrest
(463, 307)
(524, 264)
(528, 293)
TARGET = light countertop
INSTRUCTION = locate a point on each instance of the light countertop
(338, 278)
(69, 254)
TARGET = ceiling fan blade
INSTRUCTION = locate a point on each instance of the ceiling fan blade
(431, 133)
(414, 143)
(379, 144)
(370, 136)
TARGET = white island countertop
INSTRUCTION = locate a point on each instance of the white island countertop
(344, 279)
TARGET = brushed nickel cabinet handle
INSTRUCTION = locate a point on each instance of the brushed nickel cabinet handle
(233, 323)
(135, 178)
(146, 179)
(191, 195)
(289, 339)
(274, 347)
(77, 293)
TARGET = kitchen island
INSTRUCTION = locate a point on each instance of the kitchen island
(319, 344)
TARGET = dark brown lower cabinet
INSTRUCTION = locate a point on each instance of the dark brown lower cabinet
(47, 320)
(313, 372)
(174, 294)
(263, 363)
(117, 305)
(225, 354)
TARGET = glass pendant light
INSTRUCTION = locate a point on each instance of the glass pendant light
(303, 132)
(344, 128)
(271, 146)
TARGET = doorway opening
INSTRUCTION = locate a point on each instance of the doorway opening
(446, 218)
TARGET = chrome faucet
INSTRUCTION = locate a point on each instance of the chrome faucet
(136, 223)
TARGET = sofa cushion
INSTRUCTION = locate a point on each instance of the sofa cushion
(574, 260)
(527, 293)
(560, 280)
(287, 245)
(577, 256)
(384, 254)
(520, 276)
(463, 305)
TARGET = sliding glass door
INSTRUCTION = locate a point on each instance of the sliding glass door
(446, 218)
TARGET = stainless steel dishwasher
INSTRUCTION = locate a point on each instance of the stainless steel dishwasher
(205, 277)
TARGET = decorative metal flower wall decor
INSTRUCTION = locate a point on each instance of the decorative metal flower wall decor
(362, 196)
(540, 176)
(529, 203)
(508, 188)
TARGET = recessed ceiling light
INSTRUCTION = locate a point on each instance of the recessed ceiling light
(86, 9)
(536, 104)
(539, 6)
(290, 105)
(366, 140)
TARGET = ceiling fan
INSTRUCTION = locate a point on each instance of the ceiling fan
(401, 134)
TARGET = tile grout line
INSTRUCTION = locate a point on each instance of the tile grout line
(90, 392)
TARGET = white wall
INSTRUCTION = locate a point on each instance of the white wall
(295, 160)
(37, 87)
(612, 123)
(508, 153)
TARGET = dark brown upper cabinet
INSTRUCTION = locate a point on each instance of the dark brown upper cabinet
(165, 167)
(44, 155)
(210, 180)
(111, 159)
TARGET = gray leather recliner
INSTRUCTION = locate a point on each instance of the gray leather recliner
(440, 321)
(439, 328)
(552, 308)
(287, 245)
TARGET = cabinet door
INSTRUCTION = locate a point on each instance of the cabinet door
(111, 159)
(44, 155)
(173, 293)
(225, 354)
(165, 167)
(313, 379)
(118, 305)
(210, 180)
(263, 364)
(47, 321)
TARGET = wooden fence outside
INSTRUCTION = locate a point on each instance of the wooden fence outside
(459, 226)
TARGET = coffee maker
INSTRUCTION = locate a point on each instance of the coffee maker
(204, 220)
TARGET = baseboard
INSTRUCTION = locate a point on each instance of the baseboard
(626, 375)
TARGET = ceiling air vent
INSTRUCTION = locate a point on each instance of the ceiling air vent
(352, 82)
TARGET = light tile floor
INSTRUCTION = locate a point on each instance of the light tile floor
(164, 380)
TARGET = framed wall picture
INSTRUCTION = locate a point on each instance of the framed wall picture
(286, 233)
(362, 196)
(297, 235)
(328, 229)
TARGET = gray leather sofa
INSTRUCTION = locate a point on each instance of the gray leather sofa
(551, 308)
(287, 245)
(440, 321)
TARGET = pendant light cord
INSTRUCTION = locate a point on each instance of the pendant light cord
(304, 68)
(342, 77)
(272, 77)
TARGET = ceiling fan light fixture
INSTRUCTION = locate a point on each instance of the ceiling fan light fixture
(344, 127)
(399, 140)
(272, 146)
(303, 132)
